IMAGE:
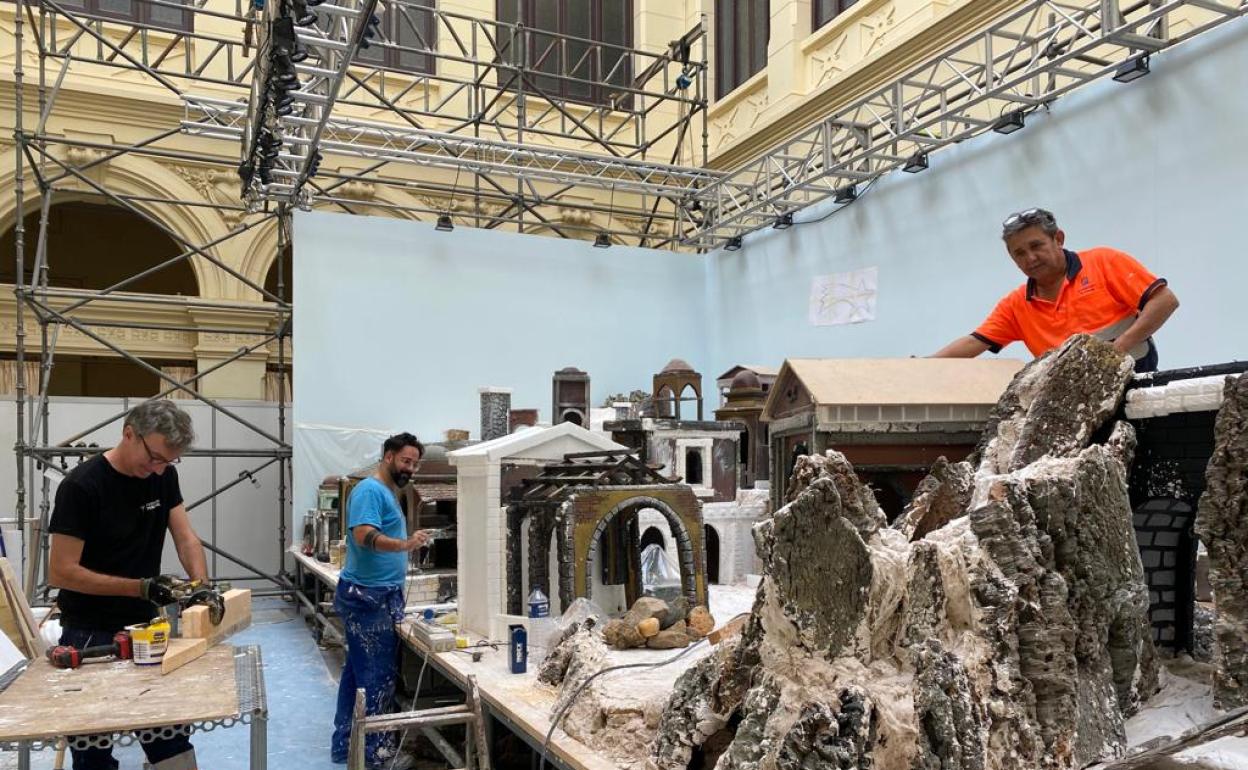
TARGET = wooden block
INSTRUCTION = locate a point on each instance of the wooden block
(195, 623)
(728, 630)
(19, 609)
(180, 652)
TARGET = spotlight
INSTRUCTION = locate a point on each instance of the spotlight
(733, 244)
(314, 164)
(784, 221)
(1132, 69)
(370, 31)
(444, 223)
(1009, 122)
(303, 17)
(683, 80)
(602, 241)
(246, 170)
(847, 194)
(917, 163)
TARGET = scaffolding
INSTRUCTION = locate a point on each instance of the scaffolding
(990, 81)
(501, 119)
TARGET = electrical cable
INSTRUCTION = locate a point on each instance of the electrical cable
(554, 723)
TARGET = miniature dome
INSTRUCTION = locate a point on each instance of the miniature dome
(677, 365)
(745, 380)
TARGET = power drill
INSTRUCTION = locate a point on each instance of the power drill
(68, 656)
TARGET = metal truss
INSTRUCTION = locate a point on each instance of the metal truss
(1032, 56)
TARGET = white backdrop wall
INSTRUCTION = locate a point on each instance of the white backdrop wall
(1156, 168)
(243, 520)
(399, 325)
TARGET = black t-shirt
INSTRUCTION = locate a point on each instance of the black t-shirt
(122, 522)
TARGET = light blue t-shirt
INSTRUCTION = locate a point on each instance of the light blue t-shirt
(373, 503)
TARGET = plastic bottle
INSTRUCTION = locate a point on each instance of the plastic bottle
(541, 627)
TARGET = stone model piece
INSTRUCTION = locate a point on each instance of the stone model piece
(1222, 523)
(999, 623)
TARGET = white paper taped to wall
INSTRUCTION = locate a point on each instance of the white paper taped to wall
(843, 298)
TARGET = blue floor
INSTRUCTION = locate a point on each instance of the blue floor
(301, 683)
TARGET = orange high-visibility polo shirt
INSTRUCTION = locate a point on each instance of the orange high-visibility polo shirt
(1104, 291)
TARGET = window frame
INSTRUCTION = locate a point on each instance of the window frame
(392, 58)
(598, 92)
(838, 7)
(727, 78)
(142, 16)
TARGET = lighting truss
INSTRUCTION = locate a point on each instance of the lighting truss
(1022, 62)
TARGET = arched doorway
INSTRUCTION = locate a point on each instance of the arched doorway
(711, 545)
(652, 536)
(92, 245)
(689, 548)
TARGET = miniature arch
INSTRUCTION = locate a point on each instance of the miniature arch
(689, 548)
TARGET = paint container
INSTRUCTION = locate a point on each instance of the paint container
(150, 641)
(518, 648)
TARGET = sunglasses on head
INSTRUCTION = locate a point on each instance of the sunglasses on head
(1030, 216)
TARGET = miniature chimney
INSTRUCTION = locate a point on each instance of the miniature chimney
(495, 412)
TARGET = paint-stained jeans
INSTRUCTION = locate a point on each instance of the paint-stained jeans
(369, 615)
(102, 759)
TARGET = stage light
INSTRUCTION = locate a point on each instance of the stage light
(602, 241)
(444, 223)
(784, 221)
(1132, 69)
(917, 163)
(847, 194)
(1010, 122)
(733, 244)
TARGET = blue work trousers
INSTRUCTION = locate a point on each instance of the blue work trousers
(369, 615)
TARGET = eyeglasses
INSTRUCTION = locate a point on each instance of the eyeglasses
(155, 458)
(1030, 216)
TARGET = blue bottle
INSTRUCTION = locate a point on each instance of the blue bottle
(518, 648)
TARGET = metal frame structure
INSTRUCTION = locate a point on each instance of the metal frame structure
(486, 110)
(502, 100)
(1021, 63)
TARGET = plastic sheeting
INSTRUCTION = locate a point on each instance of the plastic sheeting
(659, 576)
(330, 450)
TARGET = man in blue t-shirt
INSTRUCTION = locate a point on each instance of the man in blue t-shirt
(370, 601)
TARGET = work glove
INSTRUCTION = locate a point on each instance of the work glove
(159, 590)
(209, 597)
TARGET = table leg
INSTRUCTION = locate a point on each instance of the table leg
(23, 756)
(259, 741)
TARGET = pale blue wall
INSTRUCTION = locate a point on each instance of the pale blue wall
(398, 324)
(1158, 168)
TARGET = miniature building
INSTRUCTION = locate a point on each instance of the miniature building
(766, 377)
(480, 485)
(670, 387)
(570, 397)
(890, 417)
(728, 537)
(702, 454)
(522, 418)
(589, 505)
(495, 412)
(744, 404)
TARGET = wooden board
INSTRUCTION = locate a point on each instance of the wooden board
(180, 652)
(116, 696)
(18, 608)
(516, 698)
(195, 623)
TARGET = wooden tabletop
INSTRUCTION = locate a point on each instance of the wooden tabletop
(518, 698)
(46, 702)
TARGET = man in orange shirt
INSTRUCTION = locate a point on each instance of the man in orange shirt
(1100, 291)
